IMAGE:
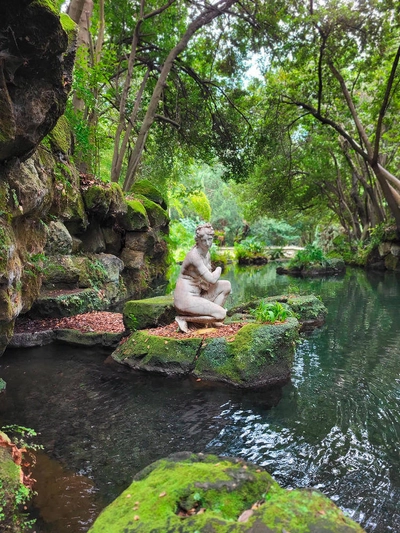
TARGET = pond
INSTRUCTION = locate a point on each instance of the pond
(334, 427)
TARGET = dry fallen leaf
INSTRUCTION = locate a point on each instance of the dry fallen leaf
(162, 494)
(136, 517)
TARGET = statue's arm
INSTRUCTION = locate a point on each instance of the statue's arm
(207, 275)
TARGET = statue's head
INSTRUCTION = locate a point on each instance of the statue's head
(202, 230)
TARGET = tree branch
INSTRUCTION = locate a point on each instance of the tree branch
(385, 103)
(352, 108)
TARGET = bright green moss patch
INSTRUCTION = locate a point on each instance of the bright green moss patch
(60, 135)
(189, 493)
(149, 312)
(68, 26)
(144, 351)
(258, 355)
(147, 189)
(136, 217)
(157, 215)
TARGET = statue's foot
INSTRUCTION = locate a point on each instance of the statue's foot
(183, 326)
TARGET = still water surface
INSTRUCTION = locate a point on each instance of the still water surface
(334, 427)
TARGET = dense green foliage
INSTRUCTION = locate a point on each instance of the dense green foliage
(313, 140)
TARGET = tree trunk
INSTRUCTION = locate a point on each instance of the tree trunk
(387, 192)
(209, 14)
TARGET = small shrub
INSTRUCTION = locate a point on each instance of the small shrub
(271, 312)
(310, 255)
(248, 248)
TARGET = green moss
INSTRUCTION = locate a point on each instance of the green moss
(258, 355)
(6, 243)
(2, 385)
(158, 354)
(68, 26)
(149, 312)
(97, 198)
(60, 136)
(157, 215)
(51, 5)
(147, 189)
(224, 488)
(136, 217)
(11, 489)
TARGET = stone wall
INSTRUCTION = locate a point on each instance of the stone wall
(67, 244)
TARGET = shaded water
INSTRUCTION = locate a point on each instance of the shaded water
(335, 426)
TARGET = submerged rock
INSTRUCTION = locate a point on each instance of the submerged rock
(188, 493)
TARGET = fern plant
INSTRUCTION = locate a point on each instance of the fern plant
(271, 312)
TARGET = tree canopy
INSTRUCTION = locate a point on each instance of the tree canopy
(164, 84)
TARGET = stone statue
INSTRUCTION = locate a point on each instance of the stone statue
(199, 294)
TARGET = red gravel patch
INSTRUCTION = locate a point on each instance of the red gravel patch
(96, 321)
(172, 331)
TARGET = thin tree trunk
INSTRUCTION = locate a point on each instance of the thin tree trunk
(120, 154)
(117, 154)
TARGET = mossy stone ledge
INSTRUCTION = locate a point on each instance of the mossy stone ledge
(149, 312)
(258, 355)
(331, 267)
(198, 493)
(308, 309)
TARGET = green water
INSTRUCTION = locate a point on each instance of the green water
(334, 427)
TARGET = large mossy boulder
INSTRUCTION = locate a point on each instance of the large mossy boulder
(258, 355)
(197, 493)
(149, 312)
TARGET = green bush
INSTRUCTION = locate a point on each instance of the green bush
(271, 312)
(310, 255)
(249, 248)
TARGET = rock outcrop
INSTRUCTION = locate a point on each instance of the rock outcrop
(257, 355)
(67, 245)
(190, 493)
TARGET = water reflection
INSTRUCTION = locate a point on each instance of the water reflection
(335, 427)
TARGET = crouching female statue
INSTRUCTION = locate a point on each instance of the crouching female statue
(199, 294)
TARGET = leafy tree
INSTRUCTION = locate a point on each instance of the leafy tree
(340, 66)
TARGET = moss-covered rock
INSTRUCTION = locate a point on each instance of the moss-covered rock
(158, 216)
(149, 312)
(79, 338)
(308, 309)
(12, 491)
(69, 303)
(135, 218)
(330, 267)
(60, 136)
(162, 355)
(68, 203)
(147, 189)
(105, 199)
(258, 355)
(189, 493)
